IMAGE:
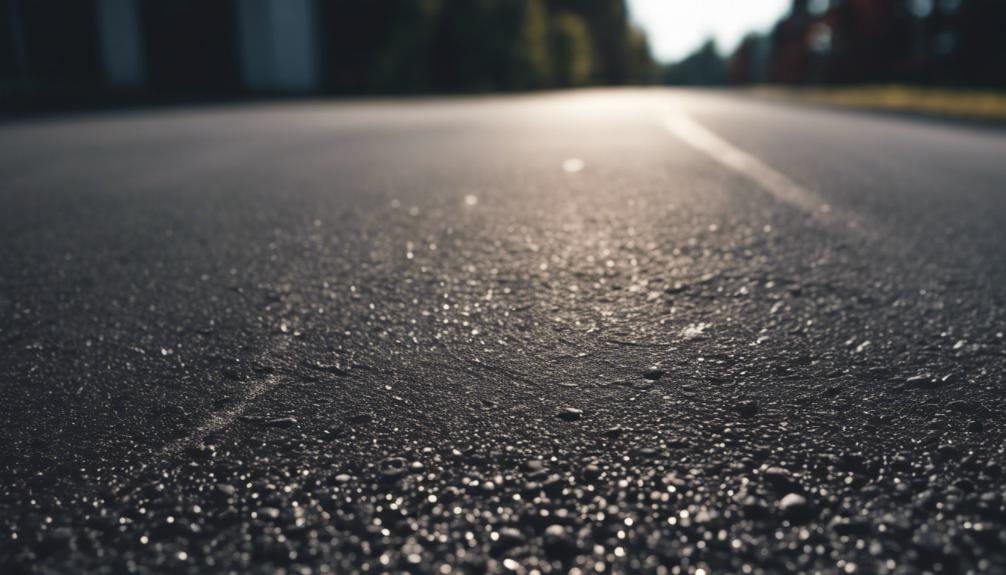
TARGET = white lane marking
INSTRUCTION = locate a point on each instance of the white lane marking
(784, 189)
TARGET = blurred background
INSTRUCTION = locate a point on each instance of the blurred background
(58, 53)
(927, 42)
(65, 51)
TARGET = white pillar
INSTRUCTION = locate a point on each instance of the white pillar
(121, 46)
(278, 45)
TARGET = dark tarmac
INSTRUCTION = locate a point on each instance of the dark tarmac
(598, 331)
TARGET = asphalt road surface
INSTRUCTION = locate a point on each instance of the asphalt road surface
(628, 330)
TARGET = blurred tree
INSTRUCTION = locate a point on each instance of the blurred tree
(789, 46)
(353, 32)
(612, 37)
(640, 67)
(470, 50)
(364, 46)
(703, 67)
(531, 60)
(572, 50)
(747, 64)
(610, 25)
(404, 63)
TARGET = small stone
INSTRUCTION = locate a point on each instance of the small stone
(555, 531)
(674, 442)
(226, 490)
(268, 512)
(676, 288)
(945, 454)
(570, 414)
(965, 485)
(531, 488)
(393, 468)
(591, 472)
(653, 373)
(796, 508)
(975, 426)
(332, 368)
(534, 465)
(558, 544)
(780, 479)
(850, 526)
(747, 408)
(508, 538)
(646, 452)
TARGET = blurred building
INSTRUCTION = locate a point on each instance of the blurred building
(278, 46)
(171, 47)
(121, 40)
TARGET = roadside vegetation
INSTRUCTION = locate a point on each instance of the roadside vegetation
(930, 101)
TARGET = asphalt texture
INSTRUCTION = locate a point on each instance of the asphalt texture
(627, 330)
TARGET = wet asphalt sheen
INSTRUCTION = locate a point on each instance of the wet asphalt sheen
(626, 330)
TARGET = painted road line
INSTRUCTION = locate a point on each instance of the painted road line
(769, 179)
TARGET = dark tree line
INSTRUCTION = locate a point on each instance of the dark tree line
(479, 45)
(939, 42)
(703, 67)
(50, 48)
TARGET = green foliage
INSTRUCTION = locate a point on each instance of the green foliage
(480, 45)
(572, 50)
(640, 65)
(531, 57)
(404, 61)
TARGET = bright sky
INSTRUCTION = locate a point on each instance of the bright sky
(676, 27)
